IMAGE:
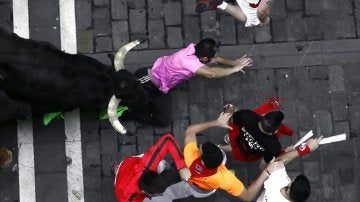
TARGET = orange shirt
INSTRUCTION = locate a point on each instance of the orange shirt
(223, 179)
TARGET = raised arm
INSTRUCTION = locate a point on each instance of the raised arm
(229, 62)
(191, 131)
(311, 145)
(166, 144)
(218, 72)
(291, 154)
(250, 193)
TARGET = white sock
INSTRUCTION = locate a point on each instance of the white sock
(222, 6)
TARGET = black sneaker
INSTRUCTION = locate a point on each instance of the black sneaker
(206, 5)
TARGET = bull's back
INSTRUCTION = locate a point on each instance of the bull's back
(42, 74)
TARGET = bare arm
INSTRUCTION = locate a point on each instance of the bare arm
(230, 62)
(250, 193)
(225, 61)
(289, 156)
(191, 131)
(218, 72)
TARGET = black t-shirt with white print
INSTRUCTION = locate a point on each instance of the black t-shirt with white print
(251, 140)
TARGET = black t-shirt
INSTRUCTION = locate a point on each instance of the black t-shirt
(251, 140)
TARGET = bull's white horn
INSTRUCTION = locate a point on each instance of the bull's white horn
(112, 110)
(114, 102)
(121, 53)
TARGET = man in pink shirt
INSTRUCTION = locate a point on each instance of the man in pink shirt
(168, 71)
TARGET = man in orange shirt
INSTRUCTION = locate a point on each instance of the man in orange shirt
(208, 170)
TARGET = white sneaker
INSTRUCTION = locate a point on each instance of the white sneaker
(227, 138)
(163, 166)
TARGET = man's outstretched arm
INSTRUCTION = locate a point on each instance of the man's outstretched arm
(287, 157)
(217, 72)
(230, 62)
(250, 193)
(191, 131)
(311, 144)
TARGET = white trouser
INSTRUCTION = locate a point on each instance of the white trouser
(250, 12)
(180, 190)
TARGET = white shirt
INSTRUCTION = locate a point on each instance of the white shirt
(276, 181)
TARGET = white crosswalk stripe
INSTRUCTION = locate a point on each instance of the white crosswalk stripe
(74, 171)
(24, 130)
(26, 164)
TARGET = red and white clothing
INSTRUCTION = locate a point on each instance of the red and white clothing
(276, 181)
(131, 168)
(249, 8)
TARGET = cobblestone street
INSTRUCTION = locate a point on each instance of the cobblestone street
(309, 55)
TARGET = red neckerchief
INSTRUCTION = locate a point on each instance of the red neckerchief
(198, 169)
(255, 5)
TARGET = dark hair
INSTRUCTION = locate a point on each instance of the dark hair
(300, 189)
(211, 155)
(152, 182)
(206, 48)
(272, 121)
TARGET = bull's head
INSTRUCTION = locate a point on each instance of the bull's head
(114, 102)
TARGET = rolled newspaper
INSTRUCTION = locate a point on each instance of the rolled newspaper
(303, 139)
(335, 138)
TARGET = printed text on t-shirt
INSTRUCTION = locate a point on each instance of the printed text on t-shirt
(251, 141)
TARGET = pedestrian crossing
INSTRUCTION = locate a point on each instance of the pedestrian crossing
(30, 178)
(24, 128)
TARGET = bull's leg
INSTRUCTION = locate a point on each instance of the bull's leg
(12, 109)
(48, 117)
(157, 112)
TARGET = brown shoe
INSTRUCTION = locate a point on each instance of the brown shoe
(5, 157)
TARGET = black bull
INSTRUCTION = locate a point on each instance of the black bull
(38, 75)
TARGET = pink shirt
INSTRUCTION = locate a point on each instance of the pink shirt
(168, 71)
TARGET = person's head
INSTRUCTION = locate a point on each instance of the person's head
(151, 183)
(5, 157)
(206, 49)
(211, 155)
(272, 121)
(300, 189)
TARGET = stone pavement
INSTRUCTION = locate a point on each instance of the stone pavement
(309, 54)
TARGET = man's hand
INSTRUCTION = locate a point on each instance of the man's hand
(241, 63)
(223, 120)
(273, 166)
(185, 173)
(314, 143)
